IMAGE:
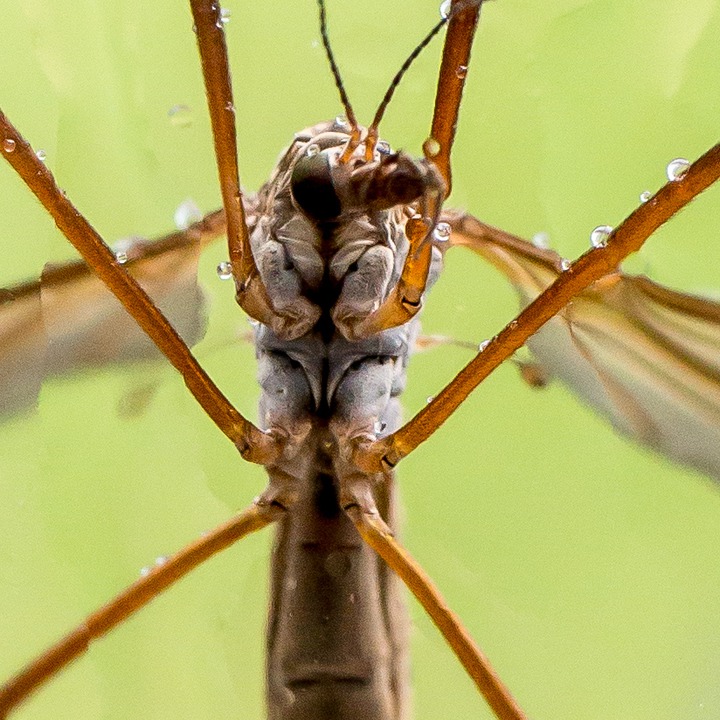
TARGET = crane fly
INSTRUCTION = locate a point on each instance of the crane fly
(560, 663)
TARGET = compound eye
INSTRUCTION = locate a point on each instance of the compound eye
(312, 188)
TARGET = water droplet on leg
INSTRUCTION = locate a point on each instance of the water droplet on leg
(677, 168)
(431, 147)
(599, 236)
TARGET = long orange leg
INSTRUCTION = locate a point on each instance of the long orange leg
(251, 293)
(400, 306)
(252, 442)
(383, 454)
(216, 74)
(405, 299)
(357, 500)
(451, 81)
(628, 237)
(129, 601)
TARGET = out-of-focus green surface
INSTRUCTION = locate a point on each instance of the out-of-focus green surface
(586, 568)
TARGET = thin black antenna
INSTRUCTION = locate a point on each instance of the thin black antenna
(350, 114)
(372, 130)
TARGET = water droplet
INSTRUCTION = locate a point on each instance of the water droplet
(123, 248)
(442, 232)
(41, 155)
(351, 598)
(430, 398)
(161, 560)
(599, 236)
(461, 71)
(180, 116)
(541, 240)
(224, 270)
(645, 196)
(144, 572)
(186, 214)
(677, 168)
(225, 15)
(445, 9)
(379, 427)
(483, 345)
(312, 150)
(383, 147)
(565, 264)
(314, 44)
(431, 147)
(342, 123)
(8, 145)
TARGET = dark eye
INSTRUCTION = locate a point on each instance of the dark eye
(313, 190)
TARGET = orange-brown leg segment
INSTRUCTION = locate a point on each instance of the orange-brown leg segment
(625, 239)
(359, 504)
(453, 70)
(251, 293)
(405, 300)
(160, 577)
(252, 442)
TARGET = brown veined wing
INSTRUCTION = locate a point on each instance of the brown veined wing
(645, 357)
(67, 322)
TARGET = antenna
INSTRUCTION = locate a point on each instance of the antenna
(373, 129)
(350, 114)
(447, 10)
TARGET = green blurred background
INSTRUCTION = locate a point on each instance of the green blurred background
(587, 568)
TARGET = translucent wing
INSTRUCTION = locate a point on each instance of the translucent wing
(644, 356)
(67, 321)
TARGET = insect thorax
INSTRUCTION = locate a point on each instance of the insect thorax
(330, 244)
